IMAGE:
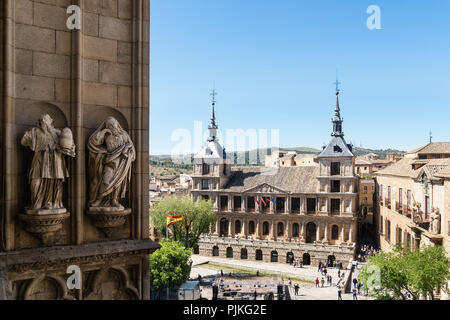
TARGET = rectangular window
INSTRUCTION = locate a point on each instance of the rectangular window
(408, 240)
(251, 203)
(408, 199)
(311, 205)
(335, 168)
(388, 231)
(427, 206)
(399, 236)
(335, 206)
(400, 197)
(205, 184)
(237, 203)
(389, 193)
(381, 224)
(295, 205)
(205, 168)
(223, 203)
(335, 186)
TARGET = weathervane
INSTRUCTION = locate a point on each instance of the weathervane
(431, 136)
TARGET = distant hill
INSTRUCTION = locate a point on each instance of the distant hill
(257, 156)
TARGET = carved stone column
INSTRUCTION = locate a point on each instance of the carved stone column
(342, 233)
(318, 232)
(287, 207)
(216, 232)
(325, 238)
(287, 231)
(350, 234)
(303, 231)
(257, 229)
(243, 227)
(230, 222)
(271, 234)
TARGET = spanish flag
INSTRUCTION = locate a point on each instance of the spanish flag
(263, 201)
(173, 219)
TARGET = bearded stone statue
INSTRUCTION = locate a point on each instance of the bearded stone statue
(111, 155)
(48, 169)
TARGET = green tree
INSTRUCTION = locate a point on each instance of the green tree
(170, 265)
(419, 273)
(197, 218)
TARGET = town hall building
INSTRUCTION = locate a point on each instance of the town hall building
(307, 212)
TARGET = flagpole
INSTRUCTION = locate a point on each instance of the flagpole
(167, 237)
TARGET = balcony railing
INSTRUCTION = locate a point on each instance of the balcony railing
(311, 213)
(399, 207)
(335, 212)
(295, 211)
(387, 203)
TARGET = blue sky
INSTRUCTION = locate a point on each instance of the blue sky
(273, 64)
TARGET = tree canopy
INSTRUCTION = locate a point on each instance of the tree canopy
(394, 275)
(197, 218)
(169, 265)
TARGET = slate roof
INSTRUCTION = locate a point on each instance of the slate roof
(342, 149)
(289, 179)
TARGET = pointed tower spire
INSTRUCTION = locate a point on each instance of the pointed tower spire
(213, 126)
(213, 118)
(337, 121)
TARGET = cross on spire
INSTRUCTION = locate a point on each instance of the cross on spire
(213, 95)
(431, 136)
(337, 83)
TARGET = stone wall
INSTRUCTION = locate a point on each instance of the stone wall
(316, 252)
(79, 78)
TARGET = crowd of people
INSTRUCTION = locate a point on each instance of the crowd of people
(366, 251)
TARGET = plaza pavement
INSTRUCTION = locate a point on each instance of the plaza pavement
(307, 291)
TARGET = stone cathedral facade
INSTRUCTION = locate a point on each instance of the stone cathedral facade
(308, 213)
(74, 130)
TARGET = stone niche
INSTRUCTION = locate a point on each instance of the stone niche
(79, 79)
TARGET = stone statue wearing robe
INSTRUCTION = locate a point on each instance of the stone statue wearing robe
(48, 168)
(111, 155)
(435, 224)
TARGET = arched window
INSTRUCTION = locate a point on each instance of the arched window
(215, 251)
(244, 254)
(229, 252)
(265, 228)
(251, 227)
(258, 255)
(280, 229)
(310, 232)
(334, 232)
(237, 226)
(295, 230)
(274, 256)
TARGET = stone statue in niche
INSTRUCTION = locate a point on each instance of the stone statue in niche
(435, 219)
(48, 169)
(111, 155)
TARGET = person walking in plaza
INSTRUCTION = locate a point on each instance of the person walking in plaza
(296, 287)
(317, 282)
(339, 292)
(322, 281)
(355, 297)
